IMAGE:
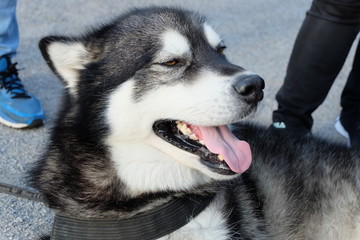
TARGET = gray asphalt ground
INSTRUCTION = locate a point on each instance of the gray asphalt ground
(259, 35)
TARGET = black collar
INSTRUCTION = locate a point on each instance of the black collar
(149, 225)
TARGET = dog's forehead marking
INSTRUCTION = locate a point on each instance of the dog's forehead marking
(212, 37)
(174, 43)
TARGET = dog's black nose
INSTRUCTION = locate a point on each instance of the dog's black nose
(250, 88)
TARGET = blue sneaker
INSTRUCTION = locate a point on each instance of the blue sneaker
(18, 109)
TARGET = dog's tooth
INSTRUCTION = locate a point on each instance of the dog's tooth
(221, 158)
(193, 137)
(202, 142)
(180, 126)
(187, 131)
(184, 129)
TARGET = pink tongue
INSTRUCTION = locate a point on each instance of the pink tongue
(220, 140)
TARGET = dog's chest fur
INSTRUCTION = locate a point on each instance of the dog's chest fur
(208, 225)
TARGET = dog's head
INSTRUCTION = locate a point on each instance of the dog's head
(155, 87)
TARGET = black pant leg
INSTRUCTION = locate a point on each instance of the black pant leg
(350, 97)
(319, 53)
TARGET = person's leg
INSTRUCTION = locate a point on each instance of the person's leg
(349, 122)
(350, 97)
(9, 32)
(18, 108)
(319, 53)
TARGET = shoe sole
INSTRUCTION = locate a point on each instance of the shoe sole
(340, 129)
(32, 124)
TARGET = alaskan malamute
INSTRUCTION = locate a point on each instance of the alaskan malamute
(142, 143)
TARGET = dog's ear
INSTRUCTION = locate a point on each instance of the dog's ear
(66, 57)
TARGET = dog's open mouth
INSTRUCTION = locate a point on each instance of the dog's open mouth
(217, 147)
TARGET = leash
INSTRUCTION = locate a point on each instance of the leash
(21, 192)
(149, 225)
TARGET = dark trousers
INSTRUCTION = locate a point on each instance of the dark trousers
(319, 52)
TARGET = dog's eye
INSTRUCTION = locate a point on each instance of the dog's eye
(171, 63)
(220, 49)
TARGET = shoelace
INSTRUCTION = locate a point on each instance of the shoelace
(11, 82)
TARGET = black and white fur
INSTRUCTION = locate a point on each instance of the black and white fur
(104, 159)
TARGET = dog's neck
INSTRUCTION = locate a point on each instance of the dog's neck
(146, 169)
(112, 196)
